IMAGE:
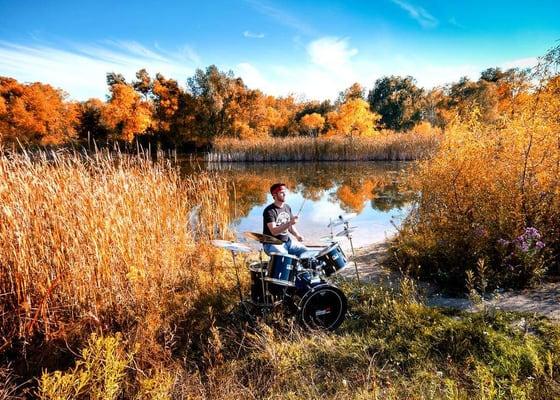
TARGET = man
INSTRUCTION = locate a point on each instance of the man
(278, 221)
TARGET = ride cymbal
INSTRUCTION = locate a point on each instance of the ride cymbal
(346, 232)
(341, 219)
(260, 237)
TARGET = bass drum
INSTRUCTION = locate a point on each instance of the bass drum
(322, 307)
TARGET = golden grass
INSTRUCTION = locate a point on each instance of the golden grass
(385, 147)
(90, 242)
(481, 196)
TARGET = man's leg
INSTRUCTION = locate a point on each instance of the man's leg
(296, 248)
(275, 248)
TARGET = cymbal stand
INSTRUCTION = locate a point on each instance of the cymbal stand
(237, 276)
(348, 234)
(264, 288)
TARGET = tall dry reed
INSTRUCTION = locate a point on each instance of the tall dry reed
(98, 241)
(385, 147)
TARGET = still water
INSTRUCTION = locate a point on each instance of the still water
(323, 191)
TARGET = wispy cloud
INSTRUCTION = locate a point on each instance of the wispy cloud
(253, 35)
(453, 21)
(80, 69)
(281, 16)
(424, 18)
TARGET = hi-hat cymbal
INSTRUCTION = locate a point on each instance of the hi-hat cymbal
(260, 237)
(239, 248)
(221, 243)
(341, 219)
(231, 246)
(328, 238)
(346, 232)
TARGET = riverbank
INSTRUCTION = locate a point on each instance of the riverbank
(541, 300)
(383, 147)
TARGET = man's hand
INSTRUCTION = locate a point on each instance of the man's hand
(294, 220)
(299, 238)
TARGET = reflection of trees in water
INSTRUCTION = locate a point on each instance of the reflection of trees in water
(353, 184)
(390, 196)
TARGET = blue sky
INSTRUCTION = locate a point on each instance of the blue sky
(310, 49)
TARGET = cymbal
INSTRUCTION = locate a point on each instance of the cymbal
(231, 246)
(260, 237)
(328, 238)
(221, 243)
(346, 232)
(341, 219)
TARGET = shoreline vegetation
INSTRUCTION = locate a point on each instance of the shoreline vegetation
(393, 147)
(112, 291)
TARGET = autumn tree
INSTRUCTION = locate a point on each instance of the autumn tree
(35, 113)
(352, 118)
(512, 89)
(113, 78)
(312, 123)
(126, 114)
(398, 100)
(90, 123)
(466, 95)
(354, 92)
(143, 83)
(215, 93)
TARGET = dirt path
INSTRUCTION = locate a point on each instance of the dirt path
(543, 300)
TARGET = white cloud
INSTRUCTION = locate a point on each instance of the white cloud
(422, 16)
(80, 70)
(331, 53)
(253, 35)
(253, 78)
(528, 62)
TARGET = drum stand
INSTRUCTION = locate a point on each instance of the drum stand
(264, 288)
(348, 234)
(237, 276)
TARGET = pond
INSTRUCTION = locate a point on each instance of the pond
(324, 191)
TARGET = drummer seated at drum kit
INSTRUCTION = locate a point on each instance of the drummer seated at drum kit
(278, 221)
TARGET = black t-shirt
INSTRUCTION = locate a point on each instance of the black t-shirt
(279, 215)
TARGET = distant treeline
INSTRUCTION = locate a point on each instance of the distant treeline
(216, 104)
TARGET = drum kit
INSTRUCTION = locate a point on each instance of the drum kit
(299, 283)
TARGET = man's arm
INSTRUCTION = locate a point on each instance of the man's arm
(294, 232)
(276, 230)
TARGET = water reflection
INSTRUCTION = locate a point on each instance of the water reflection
(372, 190)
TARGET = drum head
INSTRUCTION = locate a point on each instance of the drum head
(283, 255)
(327, 249)
(323, 308)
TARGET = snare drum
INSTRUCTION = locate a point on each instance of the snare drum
(332, 258)
(282, 269)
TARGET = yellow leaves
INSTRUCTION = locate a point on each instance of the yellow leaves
(353, 118)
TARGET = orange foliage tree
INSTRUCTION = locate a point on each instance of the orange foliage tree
(35, 113)
(126, 114)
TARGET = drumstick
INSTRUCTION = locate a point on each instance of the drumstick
(301, 208)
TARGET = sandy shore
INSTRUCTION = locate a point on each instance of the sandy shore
(542, 300)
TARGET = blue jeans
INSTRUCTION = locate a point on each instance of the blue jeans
(291, 247)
